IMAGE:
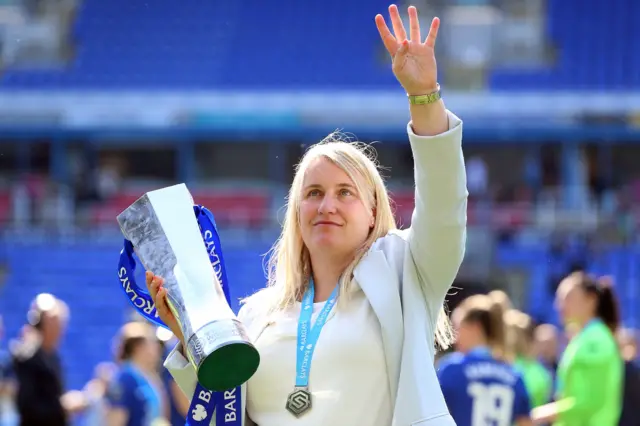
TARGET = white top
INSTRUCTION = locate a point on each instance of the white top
(348, 377)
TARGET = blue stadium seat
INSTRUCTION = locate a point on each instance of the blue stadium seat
(597, 46)
(84, 276)
(219, 44)
(333, 44)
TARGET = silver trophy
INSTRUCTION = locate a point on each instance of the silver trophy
(166, 237)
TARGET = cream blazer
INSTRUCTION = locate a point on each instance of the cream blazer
(405, 276)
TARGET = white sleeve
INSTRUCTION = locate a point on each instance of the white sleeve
(438, 226)
(182, 371)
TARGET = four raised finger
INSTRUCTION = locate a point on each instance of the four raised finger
(392, 41)
(433, 33)
(414, 25)
(396, 22)
(388, 39)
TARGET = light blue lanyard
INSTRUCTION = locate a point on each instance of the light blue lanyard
(308, 334)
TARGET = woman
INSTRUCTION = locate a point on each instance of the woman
(374, 356)
(631, 391)
(96, 391)
(520, 337)
(546, 347)
(135, 396)
(479, 387)
(590, 370)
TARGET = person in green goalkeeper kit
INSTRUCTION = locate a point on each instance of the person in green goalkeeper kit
(520, 337)
(590, 374)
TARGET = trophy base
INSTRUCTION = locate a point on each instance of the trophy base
(223, 355)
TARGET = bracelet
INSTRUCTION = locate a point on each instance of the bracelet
(425, 99)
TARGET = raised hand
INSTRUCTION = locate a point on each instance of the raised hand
(414, 61)
(159, 295)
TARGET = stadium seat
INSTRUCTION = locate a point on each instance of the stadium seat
(84, 276)
(312, 45)
(584, 61)
(218, 44)
(5, 205)
(238, 208)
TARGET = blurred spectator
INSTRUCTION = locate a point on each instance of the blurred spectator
(590, 375)
(631, 391)
(96, 391)
(178, 401)
(477, 177)
(136, 396)
(520, 342)
(502, 299)
(546, 346)
(41, 399)
(109, 180)
(8, 416)
(628, 344)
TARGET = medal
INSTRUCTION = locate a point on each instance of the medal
(299, 401)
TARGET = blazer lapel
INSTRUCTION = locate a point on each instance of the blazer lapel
(381, 287)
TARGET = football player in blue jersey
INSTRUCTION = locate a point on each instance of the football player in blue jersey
(135, 396)
(480, 388)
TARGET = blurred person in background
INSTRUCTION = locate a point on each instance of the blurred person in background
(96, 392)
(520, 337)
(631, 390)
(136, 396)
(41, 399)
(8, 414)
(178, 401)
(590, 373)
(501, 298)
(502, 302)
(628, 344)
(546, 346)
(479, 386)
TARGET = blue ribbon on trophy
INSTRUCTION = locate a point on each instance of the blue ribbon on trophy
(226, 405)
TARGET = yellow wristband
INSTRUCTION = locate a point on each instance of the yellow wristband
(425, 99)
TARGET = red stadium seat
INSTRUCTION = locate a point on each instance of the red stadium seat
(403, 202)
(244, 208)
(5, 205)
(240, 208)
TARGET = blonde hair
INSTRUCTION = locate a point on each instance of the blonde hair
(502, 298)
(488, 313)
(288, 261)
(520, 333)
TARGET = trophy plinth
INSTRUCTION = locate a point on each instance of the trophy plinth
(223, 355)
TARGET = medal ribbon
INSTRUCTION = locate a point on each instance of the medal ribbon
(308, 335)
(228, 404)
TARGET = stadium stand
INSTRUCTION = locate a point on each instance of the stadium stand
(207, 47)
(588, 56)
(187, 46)
(205, 41)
